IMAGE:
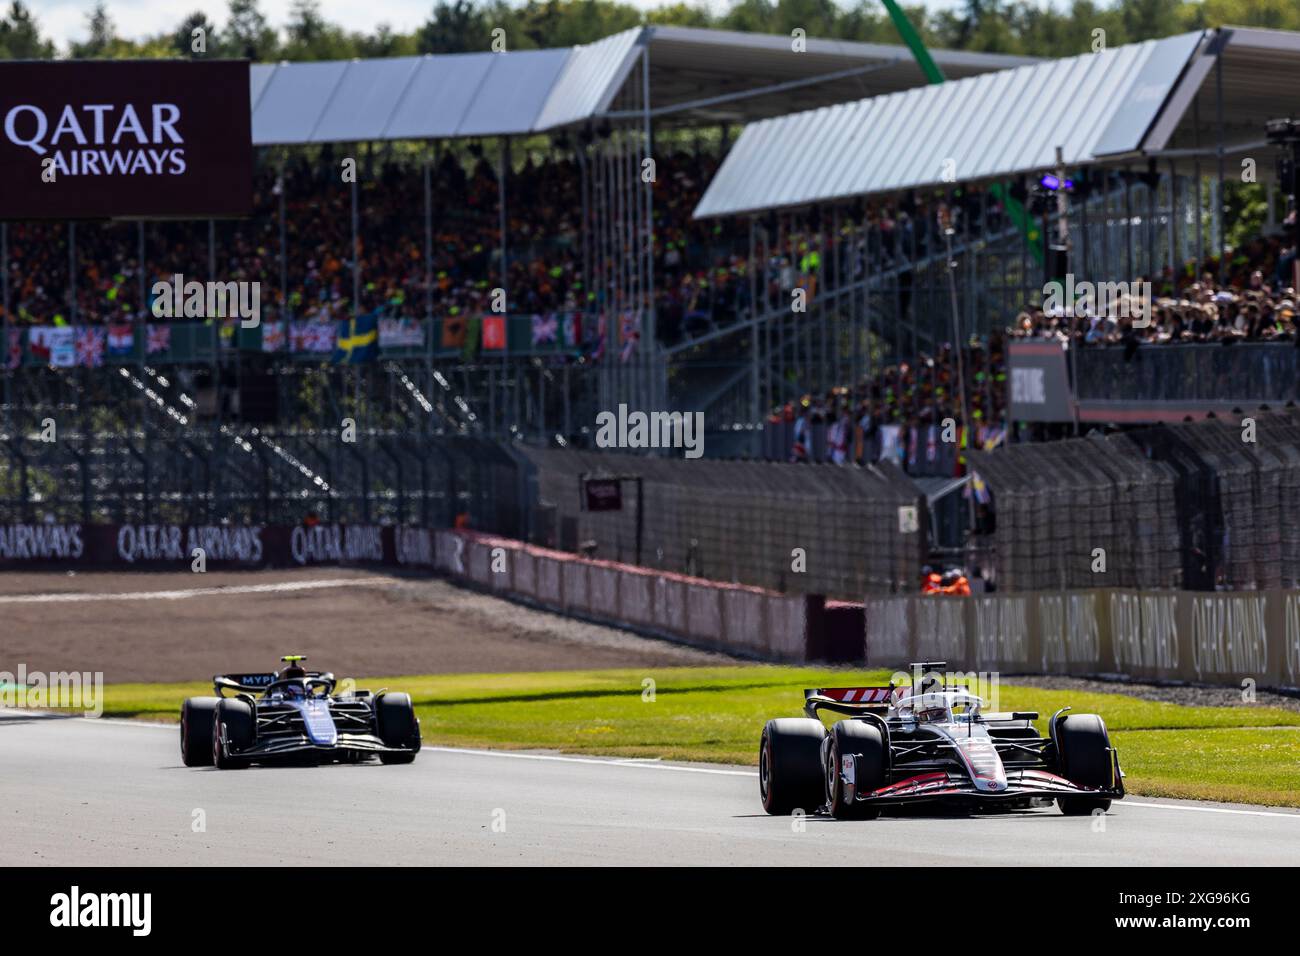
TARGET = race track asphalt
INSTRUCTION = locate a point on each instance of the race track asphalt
(78, 792)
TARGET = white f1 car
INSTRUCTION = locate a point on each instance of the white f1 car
(931, 743)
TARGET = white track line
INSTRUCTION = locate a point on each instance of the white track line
(1182, 806)
(191, 592)
(604, 762)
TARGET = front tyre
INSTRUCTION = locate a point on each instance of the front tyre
(234, 718)
(790, 765)
(197, 714)
(1087, 760)
(397, 726)
(864, 742)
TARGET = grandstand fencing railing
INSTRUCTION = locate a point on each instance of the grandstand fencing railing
(227, 474)
(1249, 373)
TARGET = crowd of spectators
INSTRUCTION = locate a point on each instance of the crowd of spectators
(545, 254)
(911, 413)
(896, 411)
(1256, 301)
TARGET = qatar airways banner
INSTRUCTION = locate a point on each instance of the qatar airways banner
(126, 138)
(158, 547)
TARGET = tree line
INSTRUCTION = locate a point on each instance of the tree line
(462, 26)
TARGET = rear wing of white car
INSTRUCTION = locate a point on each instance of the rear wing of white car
(850, 700)
(927, 676)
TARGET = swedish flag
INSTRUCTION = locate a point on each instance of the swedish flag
(357, 340)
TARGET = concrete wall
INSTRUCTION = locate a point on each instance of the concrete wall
(743, 620)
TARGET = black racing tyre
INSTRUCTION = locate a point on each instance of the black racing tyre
(864, 741)
(196, 730)
(1085, 756)
(790, 765)
(236, 717)
(397, 726)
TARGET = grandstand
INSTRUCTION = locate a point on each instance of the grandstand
(463, 188)
(650, 208)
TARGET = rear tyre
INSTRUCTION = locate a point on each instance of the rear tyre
(790, 765)
(236, 718)
(1086, 759)
(865, 742)
(196, 731)
(397, 726)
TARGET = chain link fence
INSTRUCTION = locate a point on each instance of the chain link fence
(1199, 506)
(823, 529)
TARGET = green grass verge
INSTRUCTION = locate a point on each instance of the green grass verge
(1246, 754)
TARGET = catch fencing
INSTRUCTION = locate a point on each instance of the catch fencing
(756, 523)
(1197, 506)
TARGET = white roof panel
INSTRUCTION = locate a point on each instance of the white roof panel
(997, 124)
(591, 77)
(513, 92)
(438, 96)
(293, 99)
(366, 97)
(258, 75)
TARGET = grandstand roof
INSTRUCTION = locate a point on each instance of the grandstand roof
(1260, 70)
(1120, 104)
(695, 74)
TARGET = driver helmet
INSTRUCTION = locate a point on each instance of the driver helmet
(932, 714)
(295, 668)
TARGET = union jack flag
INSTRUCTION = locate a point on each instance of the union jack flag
(311, 336)
(160, 339)
(90, 347)
(545, 329)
